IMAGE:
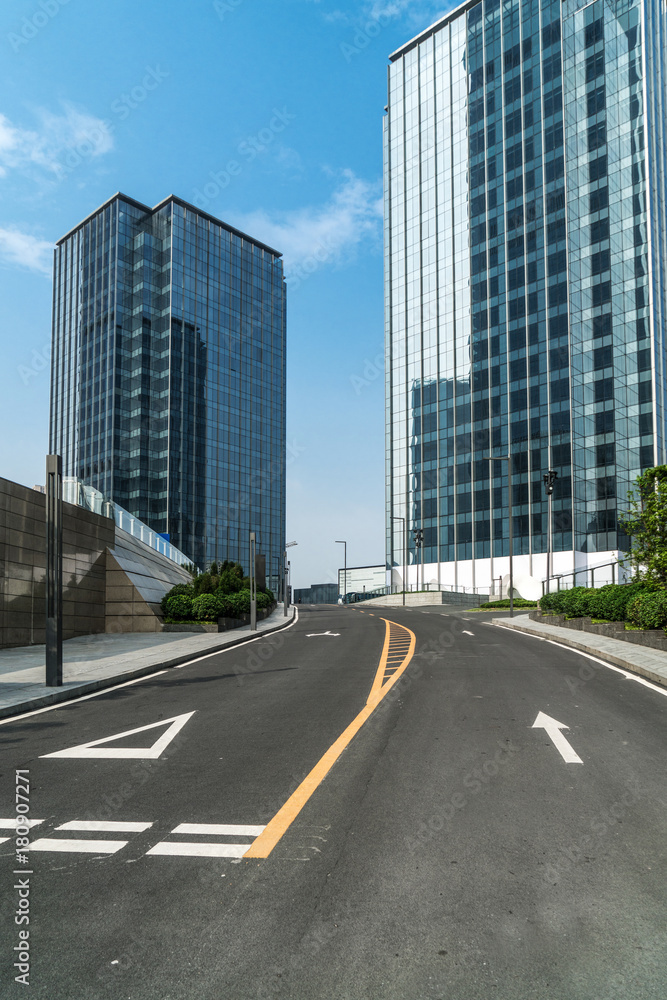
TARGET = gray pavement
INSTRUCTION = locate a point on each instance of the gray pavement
(93, 662)
(650, 663)
(453, 851)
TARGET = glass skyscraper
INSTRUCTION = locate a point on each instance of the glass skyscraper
(168, 375)
(525, 261)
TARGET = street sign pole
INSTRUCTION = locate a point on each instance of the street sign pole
(54, 571)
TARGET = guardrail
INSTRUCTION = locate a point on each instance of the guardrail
(76, 492)
(617, 571)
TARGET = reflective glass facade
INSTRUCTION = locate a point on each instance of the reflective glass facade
(168, 375)
(525, 265)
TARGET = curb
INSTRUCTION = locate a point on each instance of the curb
(67, 693)
(618, 661)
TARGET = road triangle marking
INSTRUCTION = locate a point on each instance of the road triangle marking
(95, 749)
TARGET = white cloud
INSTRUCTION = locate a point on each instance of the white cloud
(418, 13)
(321, 234)
(26, 251)
(47, 147)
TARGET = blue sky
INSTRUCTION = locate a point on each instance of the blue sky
(266, 112)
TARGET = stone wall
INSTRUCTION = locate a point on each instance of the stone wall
(86, 537)
(137, 579)
(111, 581)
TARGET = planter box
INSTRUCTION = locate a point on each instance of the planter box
(225, 624)
(653, 638)
(191, 627)
(222, 624)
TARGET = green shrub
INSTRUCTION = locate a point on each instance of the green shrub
(519, 602)
(178, 607)
(238, 604)
(564, 602)
(612, 600)
(648, 610)
(180, 588)
(207, 608)
(205, 583)
(609, 603)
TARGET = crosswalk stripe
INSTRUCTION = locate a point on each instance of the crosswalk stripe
(78, 846)
(219, 829)
(185, 850)
(97, 826)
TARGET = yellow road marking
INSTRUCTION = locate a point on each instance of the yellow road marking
(384, 680)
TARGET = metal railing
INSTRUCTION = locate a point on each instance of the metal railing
(76, 492)
(618, 575)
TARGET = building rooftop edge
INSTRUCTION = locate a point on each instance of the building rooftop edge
(423, 35)
(165, 201)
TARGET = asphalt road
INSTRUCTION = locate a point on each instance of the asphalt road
(451, 852)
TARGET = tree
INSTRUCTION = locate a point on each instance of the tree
(646, 524)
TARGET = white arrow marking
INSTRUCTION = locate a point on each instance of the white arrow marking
(553, 730)
(311, 635)
(93, 749)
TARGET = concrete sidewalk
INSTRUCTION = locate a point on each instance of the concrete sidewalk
(93, 662)
(650, 663)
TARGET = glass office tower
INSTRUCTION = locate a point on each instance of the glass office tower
(525, 246)
(168, 375)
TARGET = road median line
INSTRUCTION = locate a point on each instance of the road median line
(278, 826)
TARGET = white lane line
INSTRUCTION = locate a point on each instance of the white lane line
(98, 826)
(138, 680)
(182, 850)
(84, 697)
(219, 829)
(79, 846)
(10, 824)
(596, 659)
(264, 636)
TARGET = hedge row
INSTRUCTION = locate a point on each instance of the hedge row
(182, 607)
(518, 602)
(632, 602)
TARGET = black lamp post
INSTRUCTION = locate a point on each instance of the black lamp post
(549, 478)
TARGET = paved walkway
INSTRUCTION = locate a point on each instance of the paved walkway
(650, 663)
(93, 662)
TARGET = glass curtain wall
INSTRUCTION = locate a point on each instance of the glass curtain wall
(168, 376)
(525, 289)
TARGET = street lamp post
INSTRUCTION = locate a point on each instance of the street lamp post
(253, 582)
(395, 517)
(508, 459)
(285, 575)
(54, 571)
(338, 542)
(549, 478)
(419, 543)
